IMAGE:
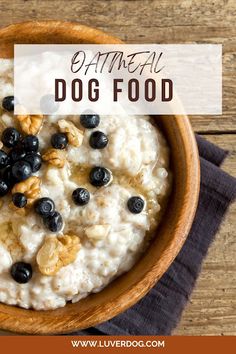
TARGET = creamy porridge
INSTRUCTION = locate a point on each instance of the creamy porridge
(79, 199)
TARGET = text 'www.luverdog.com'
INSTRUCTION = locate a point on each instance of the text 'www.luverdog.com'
(117, 343)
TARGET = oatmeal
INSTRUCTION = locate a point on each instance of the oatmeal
(79, 199)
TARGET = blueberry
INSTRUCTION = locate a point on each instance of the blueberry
(21, 272)
(99, 176)
(8, 103)
(54, 222)
(89, 121)
(81, 196)
(21, 170)
(4, 159)
(8, 177)
(16, 154)
(4, 188)
(35, 161)
(10, 137)
(19, 200)
(59, 141)
(44, 207)
(31, 143)
(135, 205)
(48, 105)
(98, 140)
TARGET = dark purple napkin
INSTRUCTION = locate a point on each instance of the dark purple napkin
(159, 311)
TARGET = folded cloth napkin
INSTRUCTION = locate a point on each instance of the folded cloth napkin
(159, 311)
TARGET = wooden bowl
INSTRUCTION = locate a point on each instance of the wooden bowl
(172, 232)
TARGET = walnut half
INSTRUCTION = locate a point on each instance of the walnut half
(30, 124)
(55, 157)
(57, 252)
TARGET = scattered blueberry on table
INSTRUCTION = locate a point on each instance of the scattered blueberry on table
(98, 140)
(135, 205)
(81, 196)
(19, 200)
(21, 272)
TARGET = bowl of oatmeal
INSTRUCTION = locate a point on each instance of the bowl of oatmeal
(93, 209)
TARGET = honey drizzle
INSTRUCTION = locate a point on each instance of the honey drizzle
(10, 240)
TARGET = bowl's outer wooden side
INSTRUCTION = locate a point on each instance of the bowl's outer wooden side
(171, 234)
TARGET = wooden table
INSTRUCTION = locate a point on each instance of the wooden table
(212, 308)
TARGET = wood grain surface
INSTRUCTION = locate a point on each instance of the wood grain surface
(212, 308)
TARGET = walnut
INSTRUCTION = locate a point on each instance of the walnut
(30, 124)
(71, 246)
(48, 256)
(55, 157)
(74, 135)
(30, 188)
(97, 232)
(56, 253)
(1, 145)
